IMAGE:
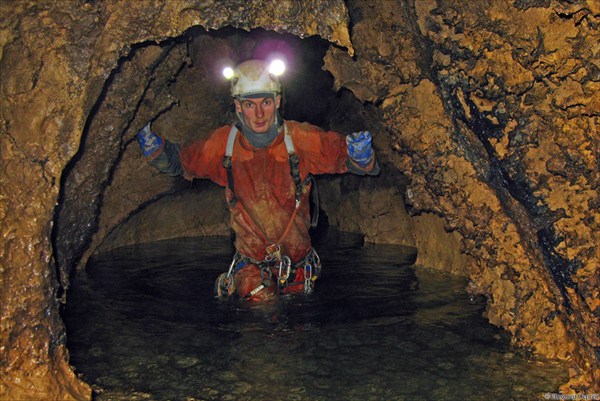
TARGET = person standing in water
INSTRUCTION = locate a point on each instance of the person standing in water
(266, 165)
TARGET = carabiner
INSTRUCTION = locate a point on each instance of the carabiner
(288, 268)
(307, 278)
(265, 276)
(232, 266)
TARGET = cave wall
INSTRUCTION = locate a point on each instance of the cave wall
(56, 59)
(185, 100)
(490, 108)
(375, 207)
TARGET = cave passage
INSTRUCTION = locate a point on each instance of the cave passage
(142, 322)
(141, 318)
(485, 122)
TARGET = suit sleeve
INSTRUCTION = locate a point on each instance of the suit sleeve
(325, 152)
(321, 152)
(166, 159)
(204, 158)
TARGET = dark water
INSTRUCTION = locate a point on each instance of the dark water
(142, 325)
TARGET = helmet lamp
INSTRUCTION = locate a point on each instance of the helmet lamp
(277, 67)
(228, 72)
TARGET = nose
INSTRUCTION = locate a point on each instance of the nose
(259, 111)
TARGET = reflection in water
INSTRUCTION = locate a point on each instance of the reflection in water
(143, 325)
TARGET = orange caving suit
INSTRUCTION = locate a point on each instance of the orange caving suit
(265, 189)
(263, 183)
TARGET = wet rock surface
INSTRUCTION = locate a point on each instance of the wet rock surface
(497, 130)
(489, 108)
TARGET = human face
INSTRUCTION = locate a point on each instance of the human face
(259, 114)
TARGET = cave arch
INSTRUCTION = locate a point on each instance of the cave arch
(59, 56)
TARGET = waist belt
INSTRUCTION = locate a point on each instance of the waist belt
(239, 258)
(311, 265)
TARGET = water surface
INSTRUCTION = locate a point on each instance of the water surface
(142, 324)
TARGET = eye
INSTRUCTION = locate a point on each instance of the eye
(268, 102)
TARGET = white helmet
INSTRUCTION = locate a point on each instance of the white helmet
(255, 78)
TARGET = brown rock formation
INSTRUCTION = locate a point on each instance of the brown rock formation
(490, 108)
(496, 125)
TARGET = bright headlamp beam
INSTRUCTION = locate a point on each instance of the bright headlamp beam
(228, 72)
(277, 67)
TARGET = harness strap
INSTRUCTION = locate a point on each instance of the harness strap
(314, 194)
(293, 159)
(301, 186)
(231, 141)
(227, 163)
(295, 167)
(289, 145)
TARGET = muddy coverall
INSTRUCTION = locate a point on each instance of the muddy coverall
(264, 190)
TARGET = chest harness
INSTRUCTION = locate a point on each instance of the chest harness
(275, 260)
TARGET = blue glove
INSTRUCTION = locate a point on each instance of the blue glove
(149, 142)
(359, 148)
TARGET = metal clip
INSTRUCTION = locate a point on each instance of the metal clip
(273, 253)
(265, 276)
(307, 278)
(232, 266)
(316, 264)
(285, 261)
(225, 284)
